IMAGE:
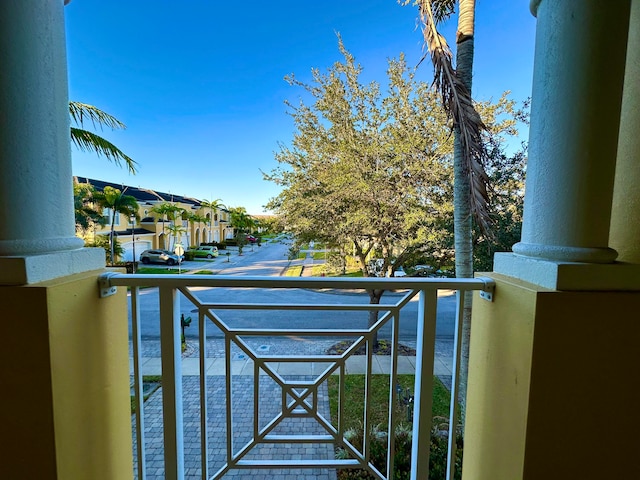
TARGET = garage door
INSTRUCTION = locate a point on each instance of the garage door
(141, 246)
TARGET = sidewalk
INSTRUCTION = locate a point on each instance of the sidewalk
(355, 364)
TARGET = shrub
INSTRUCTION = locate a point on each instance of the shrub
(102, 241)
(402, 457)
(294, 251)
(219, 245)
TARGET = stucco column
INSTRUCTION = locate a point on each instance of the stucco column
(36, 193)
(575, 111)
(625, 214)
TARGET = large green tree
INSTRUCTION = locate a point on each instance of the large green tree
(86, 214)
(85, 140)
(505, 166)
(366, 169)
(117, 202)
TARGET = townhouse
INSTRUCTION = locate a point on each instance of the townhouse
(197, 222)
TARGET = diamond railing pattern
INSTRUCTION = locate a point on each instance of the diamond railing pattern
(292, 416)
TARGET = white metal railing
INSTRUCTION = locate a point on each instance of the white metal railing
(299, 398)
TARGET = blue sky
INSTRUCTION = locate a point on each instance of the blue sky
(199, 83)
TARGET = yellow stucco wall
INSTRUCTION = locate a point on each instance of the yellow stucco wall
(68, 370)
(624, 235)
(26, 416)
(498, 388)
(552, 389)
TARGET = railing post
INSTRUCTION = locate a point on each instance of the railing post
(455, 385)
(425, 350)
(136, 340)
(171, 384)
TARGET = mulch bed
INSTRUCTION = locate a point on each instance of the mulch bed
(382, 347)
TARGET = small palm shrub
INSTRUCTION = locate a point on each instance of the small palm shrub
(402, 456)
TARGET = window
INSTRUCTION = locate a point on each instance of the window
(107, 213)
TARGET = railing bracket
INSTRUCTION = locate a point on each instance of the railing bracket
(486, 296)
(106, 289)
(489, 288)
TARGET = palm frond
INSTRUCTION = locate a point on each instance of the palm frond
(442, 9)
(457, 102)
(89, 141)
(81, 111)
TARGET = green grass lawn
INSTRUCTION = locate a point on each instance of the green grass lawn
(160, 271)
(295, 271)
(379, 408)
(319, 255)
(154, 382)
(350, 273)
(317, 270)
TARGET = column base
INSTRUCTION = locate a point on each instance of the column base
(569, 276)
(562, 253)
(30, 269)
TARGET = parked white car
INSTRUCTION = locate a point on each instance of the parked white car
(399, 272)
(160, 256)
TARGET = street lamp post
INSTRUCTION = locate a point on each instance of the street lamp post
(133, 235)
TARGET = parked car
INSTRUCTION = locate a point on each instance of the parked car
(204, 251)
(251, 239)
(160, 256)
(399, 272)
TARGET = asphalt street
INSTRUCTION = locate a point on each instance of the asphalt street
(270, 260)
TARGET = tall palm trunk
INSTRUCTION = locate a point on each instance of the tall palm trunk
(462, 189)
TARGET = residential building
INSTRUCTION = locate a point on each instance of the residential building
(154, 230)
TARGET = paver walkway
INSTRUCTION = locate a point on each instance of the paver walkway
(242, 406)
(242, 391)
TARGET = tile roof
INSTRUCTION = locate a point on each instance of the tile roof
(142, 195)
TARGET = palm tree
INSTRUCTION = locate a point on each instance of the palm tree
(89, 141)
(240, 221)
(470, 179)
(176, 231)
(196, 218)
(213, 206)
(117, 203)
(166, 210)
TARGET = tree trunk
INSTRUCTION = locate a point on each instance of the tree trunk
(374, 299)
(462, 205)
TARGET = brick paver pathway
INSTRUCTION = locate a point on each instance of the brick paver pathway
(242, 401)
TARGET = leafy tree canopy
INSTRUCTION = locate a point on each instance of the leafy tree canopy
(366, 168)
(85, 212)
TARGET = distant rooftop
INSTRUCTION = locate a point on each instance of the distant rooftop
(142, 195)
